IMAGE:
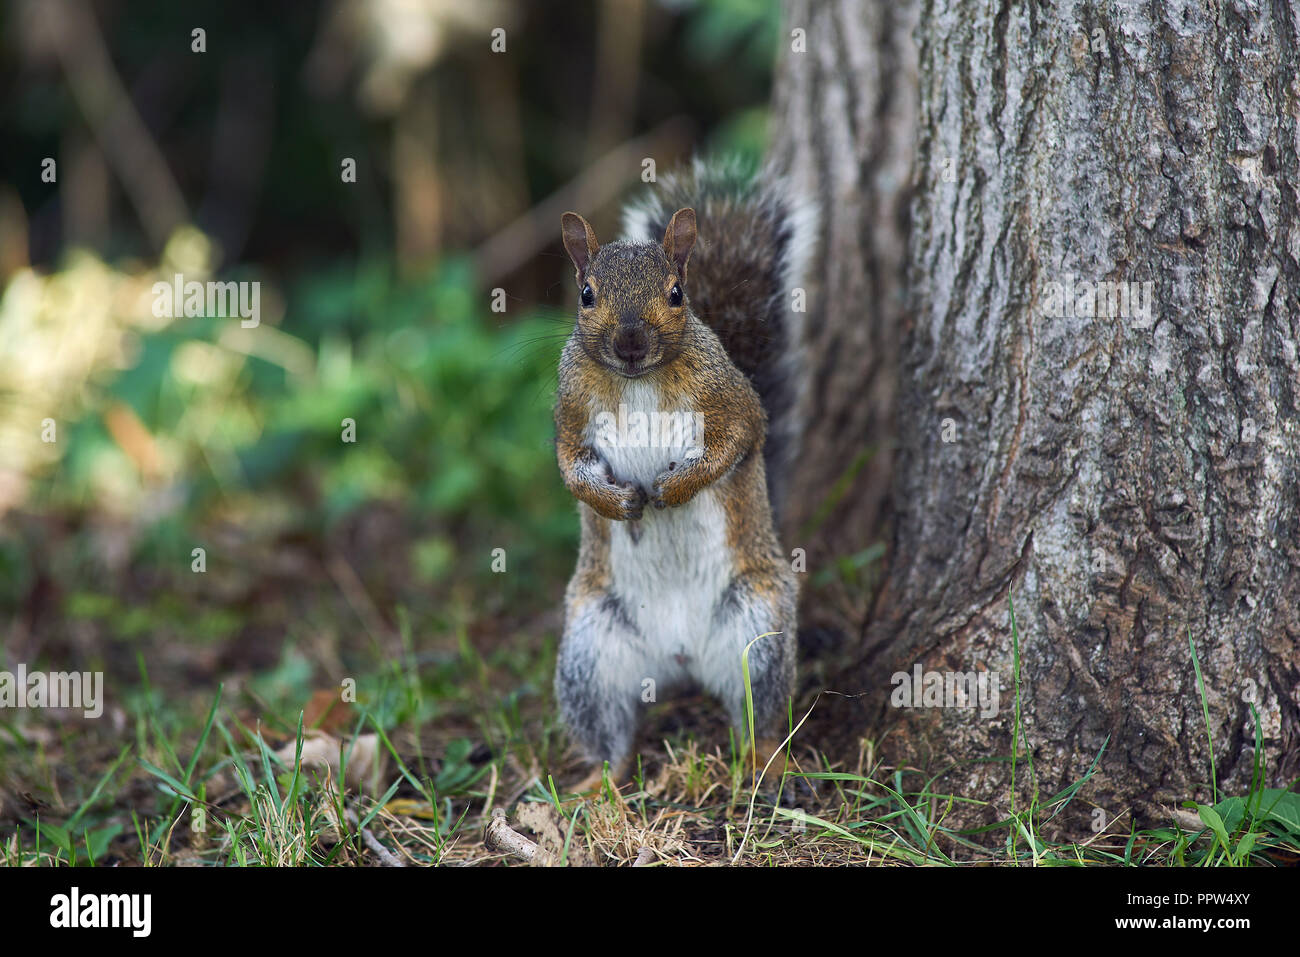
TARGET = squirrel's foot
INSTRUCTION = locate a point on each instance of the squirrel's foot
(781, 780)
(594, 781)
(757, 760)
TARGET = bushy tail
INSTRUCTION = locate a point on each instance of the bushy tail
(746, 281)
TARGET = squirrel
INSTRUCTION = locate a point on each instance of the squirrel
(673, 418)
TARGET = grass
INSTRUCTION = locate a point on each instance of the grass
(226, 783)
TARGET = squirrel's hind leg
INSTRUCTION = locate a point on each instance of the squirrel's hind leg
(752, 607)
(598, 681)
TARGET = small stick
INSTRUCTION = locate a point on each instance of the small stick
(500, 836)
(385, 856)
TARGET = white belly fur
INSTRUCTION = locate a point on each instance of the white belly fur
(672, 574)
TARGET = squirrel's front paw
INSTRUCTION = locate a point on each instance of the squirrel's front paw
(622, 502)
(632, 502)
(669, 489)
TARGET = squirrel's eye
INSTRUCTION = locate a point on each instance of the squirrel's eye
(588, 296)
(675, 295)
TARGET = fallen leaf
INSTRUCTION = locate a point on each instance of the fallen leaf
(327, 712)
(324, 751)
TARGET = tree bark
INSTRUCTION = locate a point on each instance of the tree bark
(845, 112)
(1129, 480)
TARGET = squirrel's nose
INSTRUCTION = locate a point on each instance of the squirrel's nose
(631, 343)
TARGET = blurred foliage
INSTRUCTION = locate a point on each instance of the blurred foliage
(720, 29)
(169, 429)
(450, 405)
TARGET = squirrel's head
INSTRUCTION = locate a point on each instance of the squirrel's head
(632, 311)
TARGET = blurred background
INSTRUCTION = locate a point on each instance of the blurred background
(136, 149)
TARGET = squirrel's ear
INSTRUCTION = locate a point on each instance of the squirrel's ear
(679, 238)
(579, 241)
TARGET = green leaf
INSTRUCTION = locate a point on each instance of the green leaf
(1232, 811)
(58, 836)
(1215, 823)
(175, 785)
(1281, 806)
(97, 841)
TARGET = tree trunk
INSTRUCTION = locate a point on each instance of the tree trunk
(845, 108)
(1121, 468)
